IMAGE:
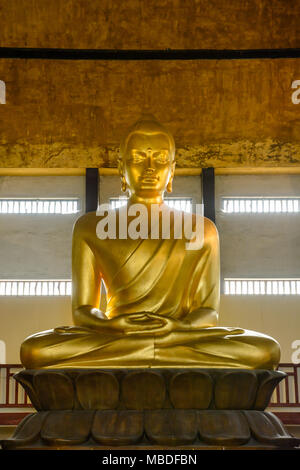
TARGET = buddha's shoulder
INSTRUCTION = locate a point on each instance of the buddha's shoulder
(86, 220)
(208, 224)
(211, 234)
(204, 225)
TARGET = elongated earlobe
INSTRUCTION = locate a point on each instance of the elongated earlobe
(123, 180)
(123, 184)
(170, 183)
(169, 186)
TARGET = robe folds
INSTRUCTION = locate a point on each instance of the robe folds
(161, 277)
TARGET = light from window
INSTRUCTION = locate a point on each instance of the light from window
(242, 286)
(260, 205)
(37, 287)
(39, 206)
(181, 204)
(116, 202)
(262, 286)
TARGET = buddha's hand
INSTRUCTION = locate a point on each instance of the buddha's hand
(172, 324)
(136, 323)
(221, 331)
(168, 324)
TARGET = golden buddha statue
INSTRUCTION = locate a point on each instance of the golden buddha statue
(163, 299)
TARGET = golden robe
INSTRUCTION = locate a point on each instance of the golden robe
(158, 276)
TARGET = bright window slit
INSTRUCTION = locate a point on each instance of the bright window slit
(35, 287)
(260, 205)
(39, 206)
(253, 286)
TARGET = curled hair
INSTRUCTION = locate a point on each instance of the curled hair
(149, 125)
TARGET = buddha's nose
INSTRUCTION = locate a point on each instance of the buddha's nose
(150, 160)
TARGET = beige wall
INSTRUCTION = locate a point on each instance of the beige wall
(258, 245)
(261, 245)
(37, 246)
(276, 316)
(24, 316)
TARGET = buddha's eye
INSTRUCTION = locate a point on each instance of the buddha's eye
(137, 157)
(162, 157)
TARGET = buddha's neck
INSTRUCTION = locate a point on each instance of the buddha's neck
(135, 199)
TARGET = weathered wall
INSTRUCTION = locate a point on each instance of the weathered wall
(221, 113)
(150, 24)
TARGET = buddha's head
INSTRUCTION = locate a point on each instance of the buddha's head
(147, 159)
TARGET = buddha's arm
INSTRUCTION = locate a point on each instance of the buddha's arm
(207, 295)
(86, 281)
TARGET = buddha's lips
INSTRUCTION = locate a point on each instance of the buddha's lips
(149, 178)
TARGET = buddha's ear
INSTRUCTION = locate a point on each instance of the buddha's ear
(121, 173)
(172, 171)
(120, 167)
(169, 185)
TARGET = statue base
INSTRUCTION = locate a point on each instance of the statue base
(150, 409)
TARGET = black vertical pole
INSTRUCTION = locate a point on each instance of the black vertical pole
(208, 193)
(91, 189)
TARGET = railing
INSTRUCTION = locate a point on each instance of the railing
(14, 401)
(286, 396)
(12, 394)
(287, 393)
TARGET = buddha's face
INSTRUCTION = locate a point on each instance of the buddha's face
(147, 164)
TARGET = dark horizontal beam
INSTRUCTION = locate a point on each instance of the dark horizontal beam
(166, 54)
